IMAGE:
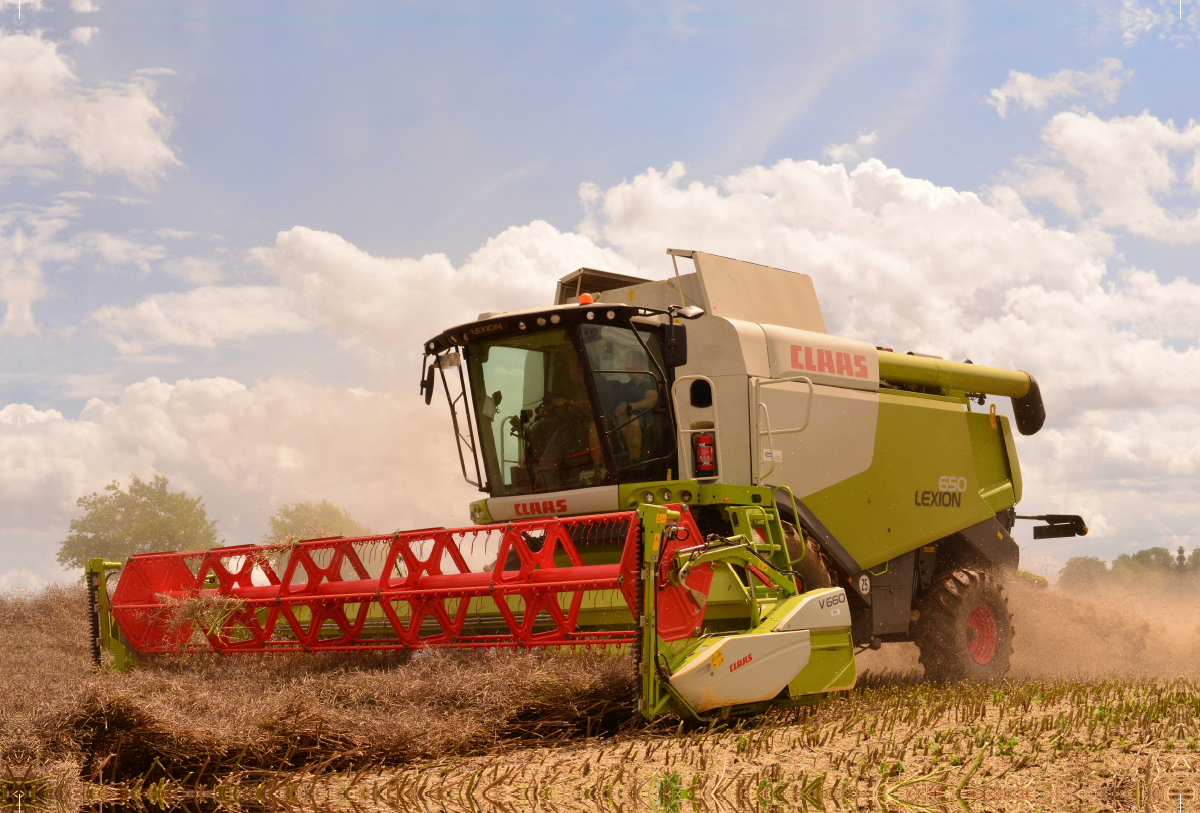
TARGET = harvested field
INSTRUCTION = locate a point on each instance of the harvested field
(1098, 716)
(215, 714)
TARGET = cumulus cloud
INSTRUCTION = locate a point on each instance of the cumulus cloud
(903, 262)
(1121, 173)
(84, 6)
(245, 449)
(201, 317)
(1102, 82)
(374, 302)
(48, 118)
(378, 305)
(83, 35)
(851, 150)
(896, 260)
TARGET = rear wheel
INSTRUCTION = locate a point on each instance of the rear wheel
(965, 630)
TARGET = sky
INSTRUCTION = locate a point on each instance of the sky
(226, 229)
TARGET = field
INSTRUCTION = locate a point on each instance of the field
(1098, 715)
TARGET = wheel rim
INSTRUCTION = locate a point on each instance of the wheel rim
(982, 645)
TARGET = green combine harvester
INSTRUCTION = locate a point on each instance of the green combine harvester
(692, 471)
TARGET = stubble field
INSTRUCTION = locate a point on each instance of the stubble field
(1098, 714)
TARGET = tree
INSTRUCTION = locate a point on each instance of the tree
(1159, 559)
(146, 518)
(1082, 571)
(1144, 566)
(306, 520)
(1193, 560)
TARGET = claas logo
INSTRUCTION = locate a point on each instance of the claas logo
(820, 360)
(740, 662)
(540, 509)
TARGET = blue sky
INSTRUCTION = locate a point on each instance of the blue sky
(155, 155)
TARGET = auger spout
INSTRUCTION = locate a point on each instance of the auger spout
(923, 371)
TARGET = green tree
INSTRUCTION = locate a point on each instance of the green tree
(146, 518)
(1144, 566)
(1193, 560)
(1082, 571)
(1156, 559)
(306, 520)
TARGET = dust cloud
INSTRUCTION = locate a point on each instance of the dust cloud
(1145, 631)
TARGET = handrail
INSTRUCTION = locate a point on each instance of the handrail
(762, 409)
(688, 471)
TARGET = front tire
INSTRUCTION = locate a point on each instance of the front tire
(965, 629)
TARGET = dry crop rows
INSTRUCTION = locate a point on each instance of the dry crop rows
(514, 733)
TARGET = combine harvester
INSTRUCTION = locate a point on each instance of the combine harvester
(689, 470)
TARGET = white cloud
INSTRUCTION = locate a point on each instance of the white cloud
(1121, 173)
(112, 250)
(34, 241)
(896, 260)
(1102, 82)
(48, 118)
(83, 34)
(1166, 20)
(22, 579)
(361, 300)
(245, 449)
(384, 307)
(28, 239)
(201, 317)
(851, 150)
(174, 234)
(84, 6)
(20, 284)
(903, 262)
(196, 270)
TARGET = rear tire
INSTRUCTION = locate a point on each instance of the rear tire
(965, 629)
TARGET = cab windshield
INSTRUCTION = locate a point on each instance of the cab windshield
(536, 399)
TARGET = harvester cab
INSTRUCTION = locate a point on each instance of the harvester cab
(690, 471)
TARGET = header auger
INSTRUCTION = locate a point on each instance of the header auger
(690, 471)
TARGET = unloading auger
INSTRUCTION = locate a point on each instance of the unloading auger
(734, 518)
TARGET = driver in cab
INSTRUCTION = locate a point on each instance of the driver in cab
(633, 397)
(577, 400)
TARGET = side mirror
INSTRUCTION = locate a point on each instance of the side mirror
(427, 385)
(676, 354)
